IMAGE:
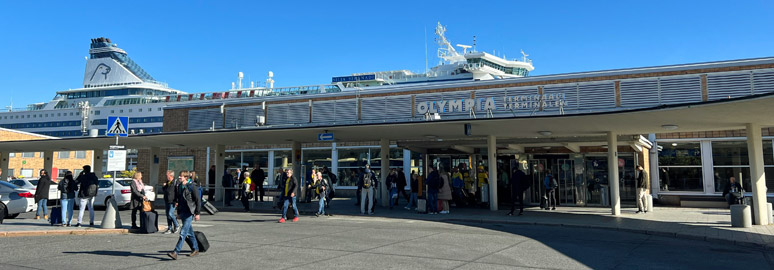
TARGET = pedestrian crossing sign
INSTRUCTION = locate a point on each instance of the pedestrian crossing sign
(117, 126)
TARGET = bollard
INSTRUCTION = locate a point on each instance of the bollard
(112, 219)
(650, 203)
(741, 216)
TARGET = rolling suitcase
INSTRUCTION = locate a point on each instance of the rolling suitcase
(422, 205)
(209, 208)
(201, 241)
(291, 212)
(149, 222)
(56, 213)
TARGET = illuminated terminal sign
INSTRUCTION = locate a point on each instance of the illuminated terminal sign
(369, 77)
(527, 102)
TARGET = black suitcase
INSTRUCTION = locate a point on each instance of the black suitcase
(201, 241)
(291, 213)
(56, 215)
(149, 222)
(209, 208)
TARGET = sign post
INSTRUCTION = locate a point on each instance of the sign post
(117, 127)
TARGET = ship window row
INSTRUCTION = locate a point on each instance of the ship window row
(114, 92)
(42, 124)
(42, 115)
(155, 119)
(130, 101)
(508, 70)
(65, 133)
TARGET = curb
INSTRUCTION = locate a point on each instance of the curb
(63, 232)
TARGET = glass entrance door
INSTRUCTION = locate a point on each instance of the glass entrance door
(566, 180)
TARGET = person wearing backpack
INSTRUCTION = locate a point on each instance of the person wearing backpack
(550, 183)
(189, 204)
(367, 184)
(88, 190)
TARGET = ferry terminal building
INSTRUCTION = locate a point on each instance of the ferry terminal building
(691, 126)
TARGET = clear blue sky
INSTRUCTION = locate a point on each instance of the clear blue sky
(199, 46)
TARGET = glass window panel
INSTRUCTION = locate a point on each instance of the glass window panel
(770, 179)
(768, 153)
(730, 153)
(681, 179)
(722, 174)
(80, 154)
(64, 154)
(679, 153)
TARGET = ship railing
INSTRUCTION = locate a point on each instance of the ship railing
(255, 93)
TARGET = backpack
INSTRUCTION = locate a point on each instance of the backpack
(91, 191)
(553, 182)
(367, 181)
(333, 177)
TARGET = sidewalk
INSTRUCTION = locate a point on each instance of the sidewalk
(707, 224)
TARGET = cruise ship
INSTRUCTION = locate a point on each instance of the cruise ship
(115, 85)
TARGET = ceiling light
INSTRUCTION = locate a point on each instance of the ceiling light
(545, 133)
(674, 144)
(669, 127)
(546, 147)
(431, 136)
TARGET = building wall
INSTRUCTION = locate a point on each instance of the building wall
(36, 163)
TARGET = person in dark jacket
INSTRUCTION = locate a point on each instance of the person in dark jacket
(433, 183)
(228, 183)
(88, 182)
(258, 177)
(367, 184)
(210, 183)
(41, 194)
(170, 192)
(188, 201)
(642, 190)
(401, 185)
(414, 191)
(332, 180)
(138, 196)
(287, 187)
(518, 184)
(68, 187)
(392, 187)
(731, 191)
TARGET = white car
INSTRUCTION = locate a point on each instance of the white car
(15, 200)
(32, 183)
(123, 193)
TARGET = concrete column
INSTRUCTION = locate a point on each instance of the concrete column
(271, 169)
(384, 156)
(334, 160)
(655, 186)
(407, 166)
(757, 174)
(220, 161)
(295, 157)
(4, 161)
(153, 172)
(491, 143)
(612, 174)
(96, 160)
(48, 163)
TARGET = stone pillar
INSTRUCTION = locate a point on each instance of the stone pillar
(335, 160)
(757, 174)
(271, 173)
(153, 172)
(407, 166)
(295, 158)
(491, 142)
(4, 161)
(655, 185)
(612, 172)
(384, 156)
(48, 163)
(96, 162)
(220, 161)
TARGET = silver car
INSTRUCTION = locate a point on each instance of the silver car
(15, 200)
(123, 192)
(32, 183)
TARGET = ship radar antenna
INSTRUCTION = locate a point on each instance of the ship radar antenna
(524, 56)
(10, 106)
(446, 50)
(474, 44)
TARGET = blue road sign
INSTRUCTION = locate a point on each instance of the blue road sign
(117, 126)
(325, 137)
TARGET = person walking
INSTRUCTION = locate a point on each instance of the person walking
(88, 190)
(518, 184)
(210, 183)
(551, 185)
(402, 185)
(137, 188)
(321, 188)
(482, 193)
(67, 186)
(227, 183)
(188, 200)
(245, 190)
(241, 179)
(170, 192)
(367, 183)
(642, 190)
(41, 194)
(259, 177)
(444, 192)
(433, 183)
(414, 191)
(288, 187)
(457, 185)
(332, 179)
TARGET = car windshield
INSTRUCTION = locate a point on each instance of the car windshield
(34, 182)
(12, 186)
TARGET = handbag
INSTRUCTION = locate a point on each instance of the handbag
(146, 206)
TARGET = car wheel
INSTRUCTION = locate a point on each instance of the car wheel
(3, 212)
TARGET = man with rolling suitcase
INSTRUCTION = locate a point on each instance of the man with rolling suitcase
(288, 198)
(188, 200)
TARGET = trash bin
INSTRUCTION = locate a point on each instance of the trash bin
(741, 216)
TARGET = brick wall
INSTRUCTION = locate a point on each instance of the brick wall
(36, 163)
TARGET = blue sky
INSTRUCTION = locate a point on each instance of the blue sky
(199, 46)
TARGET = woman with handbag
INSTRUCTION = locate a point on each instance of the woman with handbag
(138, 197)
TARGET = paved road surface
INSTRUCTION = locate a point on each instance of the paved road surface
(256, 241)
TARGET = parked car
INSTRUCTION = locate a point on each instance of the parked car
(123, 193)
(32, 183)
(15, 200)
